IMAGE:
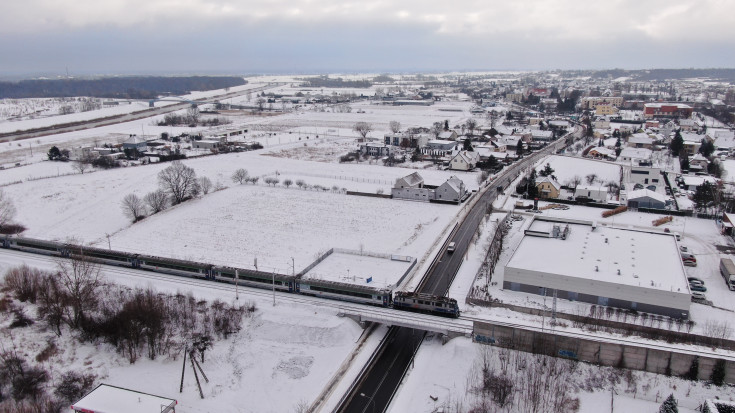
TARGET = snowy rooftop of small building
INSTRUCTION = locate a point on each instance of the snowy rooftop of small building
(111, 399)
(648, 260)
(353, 268)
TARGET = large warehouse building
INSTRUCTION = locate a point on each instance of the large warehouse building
(617, 267)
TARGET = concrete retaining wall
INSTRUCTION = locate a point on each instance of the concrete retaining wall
(632, 357)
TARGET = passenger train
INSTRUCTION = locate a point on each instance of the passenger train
(407, 301)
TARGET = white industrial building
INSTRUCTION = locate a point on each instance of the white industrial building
(616, 267)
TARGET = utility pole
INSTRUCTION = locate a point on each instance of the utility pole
(109, 246)
(274, 287)
(237, 279)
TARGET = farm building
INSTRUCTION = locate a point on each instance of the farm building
(616, 267)
(111, 399)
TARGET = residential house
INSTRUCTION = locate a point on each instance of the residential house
(375, 149)
(601, 152)
(643, 175)
(85, 153)
(412, 187)
(464, 161)
(689, 125)
(413, 180)
(698, 163)
(548, 187)
(596, 193)
(135, 143)
(448, 135)
(692, 142)
(724, 139)
(635, 155)
(452, 190)
(439, 148)
(545, 136)
(640, 140)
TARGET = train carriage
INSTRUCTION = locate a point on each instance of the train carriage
(257, 279)
(103, 256)
(346, 292)
(174, 266)
(37, 246)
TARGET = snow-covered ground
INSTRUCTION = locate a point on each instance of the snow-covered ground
(566, 168)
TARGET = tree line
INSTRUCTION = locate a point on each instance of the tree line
(128, 87)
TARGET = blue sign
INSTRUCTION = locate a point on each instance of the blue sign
(369, 280)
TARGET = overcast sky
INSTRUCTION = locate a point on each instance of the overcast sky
(296, 36)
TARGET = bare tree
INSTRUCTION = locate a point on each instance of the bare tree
(133, 207)
(437, 128)
(363, 128)
(300, 183)
(395, 126)
(261, 104)
(179, 182)
(192, 115)
(287, 182)
(80, 279)
(7, 209)
(254, 180)
(156, 200)
(240, 176)
(81, 166)
(575, 181)
(471, 125)
(591, 178)
(205, 184)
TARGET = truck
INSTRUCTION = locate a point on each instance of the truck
(727, 269)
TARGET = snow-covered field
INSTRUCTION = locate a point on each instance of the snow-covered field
(567, 167)
(285, 355)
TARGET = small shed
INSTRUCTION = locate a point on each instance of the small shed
(111, 399)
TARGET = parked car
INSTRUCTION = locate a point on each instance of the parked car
(693, 283)
(690, 279)
(697, 296)
(689, 263)
(683, 248)
(699, 288)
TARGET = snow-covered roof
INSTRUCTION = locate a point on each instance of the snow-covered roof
(135, 140)
(413, 179)
(548, 179)
(111, 399)
(645, 259)
(641, 138)
(696, 180)
(690, 137)
(446, 135)
(604, 151)
(635, 153)
(641, 193)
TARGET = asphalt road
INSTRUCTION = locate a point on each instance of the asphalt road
(376, 387)
(380, 382)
